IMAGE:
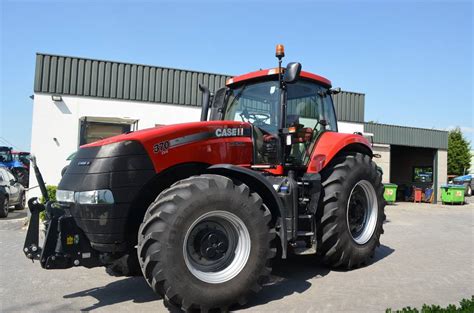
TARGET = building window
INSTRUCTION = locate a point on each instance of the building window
(94, 129)
(423, 174)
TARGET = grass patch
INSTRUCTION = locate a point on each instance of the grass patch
(466, 306)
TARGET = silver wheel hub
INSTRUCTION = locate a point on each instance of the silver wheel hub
(362, 212)
(216, 247)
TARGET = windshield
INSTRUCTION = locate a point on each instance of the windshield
(257, 104)
(309, 108)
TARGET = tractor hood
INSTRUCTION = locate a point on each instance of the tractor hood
(191, 142)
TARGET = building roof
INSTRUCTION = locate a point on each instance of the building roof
(408, 136)
(66, 75)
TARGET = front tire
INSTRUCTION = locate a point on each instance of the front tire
(4, 206)
(205, 243)
(351, 217)
(468, 192)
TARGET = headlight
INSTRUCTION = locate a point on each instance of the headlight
(104, 196)
(94, 197)
(64, 196)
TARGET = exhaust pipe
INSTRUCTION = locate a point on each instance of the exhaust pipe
(205, 102)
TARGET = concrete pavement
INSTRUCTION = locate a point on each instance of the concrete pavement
(426, 256)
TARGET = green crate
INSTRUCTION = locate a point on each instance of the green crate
(390, 192)
(452, 194)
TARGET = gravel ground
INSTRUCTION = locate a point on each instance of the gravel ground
(426, 257)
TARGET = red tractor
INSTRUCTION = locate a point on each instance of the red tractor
(202, 208)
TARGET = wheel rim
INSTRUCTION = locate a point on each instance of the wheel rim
(5, 205)
(362, 211)
(216, 247)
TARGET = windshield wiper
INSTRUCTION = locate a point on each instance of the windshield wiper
(236, 97)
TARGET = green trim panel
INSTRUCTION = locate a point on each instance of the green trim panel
(106, 79)
(408, 136)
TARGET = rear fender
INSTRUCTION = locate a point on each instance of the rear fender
(331, 144)
(264, 188)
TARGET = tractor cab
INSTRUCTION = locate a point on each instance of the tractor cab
(288, 109)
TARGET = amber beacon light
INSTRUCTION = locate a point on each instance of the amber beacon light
(280, 51)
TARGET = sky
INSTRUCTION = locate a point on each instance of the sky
(412, 59)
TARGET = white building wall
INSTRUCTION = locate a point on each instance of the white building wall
(349, 128)
(61, 120)
(383, 161)
(442, 170)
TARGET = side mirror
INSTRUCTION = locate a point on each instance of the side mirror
(292, 72)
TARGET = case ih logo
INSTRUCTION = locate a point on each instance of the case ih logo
(229, 132)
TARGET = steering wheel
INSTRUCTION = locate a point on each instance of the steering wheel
(258, 118)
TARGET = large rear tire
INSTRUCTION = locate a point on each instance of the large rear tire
(206, 243)
(351, 217)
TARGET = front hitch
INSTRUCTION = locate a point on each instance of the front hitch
(65, 244)
(31, 247)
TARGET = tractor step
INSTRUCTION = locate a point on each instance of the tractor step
(305, 233)
(304, 251)
(302, 247)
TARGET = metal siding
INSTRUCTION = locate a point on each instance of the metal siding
(158, 85)
(53, 74)
(176, 88)
(133, 82)
(45, 73)
(349, 106)
(182, 87)
(87, 77)
(187, 97)
(164, 85)
(67, 75)
(60, 76)
(80, 77)
(94, 78)
(38, 73)
(151, 87)
(73, 85)
(408, 136)
(100, 79)
(146, 81)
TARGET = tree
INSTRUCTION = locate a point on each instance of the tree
(459, 155)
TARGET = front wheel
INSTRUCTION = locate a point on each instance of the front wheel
(350, 218)
(3, 206)
(205, 243)
(468, 192)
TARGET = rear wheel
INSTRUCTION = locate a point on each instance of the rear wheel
(205, 243)
(352, 213)
(21, 203)
(468, 191)
(3, 206)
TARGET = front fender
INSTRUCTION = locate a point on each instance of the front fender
(330, 144)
